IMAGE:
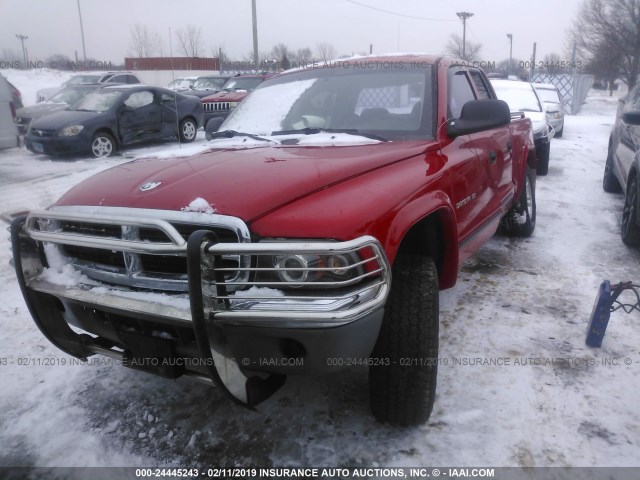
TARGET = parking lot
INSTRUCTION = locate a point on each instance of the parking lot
(517, 386)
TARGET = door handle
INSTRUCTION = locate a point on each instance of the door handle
(492, 157)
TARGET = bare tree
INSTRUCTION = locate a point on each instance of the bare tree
(303, 56)
(455, 49)
(325, 51)
(553, 64)
(280, 53)
(610, 27)
(144, 42)
(190, 40)
(11, 56)
(606, 65)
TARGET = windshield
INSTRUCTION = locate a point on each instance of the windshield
(242, 83)
(69, 95)
(209, 83)
(518, 98)
(98, 101)
(548, 95)
(388, 101)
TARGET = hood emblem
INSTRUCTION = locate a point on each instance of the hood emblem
(145, 187)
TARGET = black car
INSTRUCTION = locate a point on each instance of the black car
(115, 116)
(204, 86)
(623, 164)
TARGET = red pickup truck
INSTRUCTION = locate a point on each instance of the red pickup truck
(313, 233)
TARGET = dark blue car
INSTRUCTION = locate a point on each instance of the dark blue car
(115, 116)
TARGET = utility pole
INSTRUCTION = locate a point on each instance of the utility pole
(510, 37)
(84, 50)
(22, 38)
(255, 33)
(464, 16)
(533, 62)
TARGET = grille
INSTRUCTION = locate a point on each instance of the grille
(216, 106)
(134, 251)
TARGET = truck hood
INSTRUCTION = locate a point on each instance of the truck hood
(226, 96)
(243, 182)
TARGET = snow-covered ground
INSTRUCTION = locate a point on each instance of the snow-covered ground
(520, 304)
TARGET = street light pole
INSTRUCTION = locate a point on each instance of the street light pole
(464, 16)
(254, 17)
(84, 51)
(510, 37)
(22, 38)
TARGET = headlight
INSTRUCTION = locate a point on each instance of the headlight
(297, 269)
(71, 130)
(233, 104)
(554, 115)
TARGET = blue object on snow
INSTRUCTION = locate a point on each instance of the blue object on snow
(600, 315)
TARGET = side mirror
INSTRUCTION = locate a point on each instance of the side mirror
(212, 126)
(126, 109)
(478, 116)
(632, 117)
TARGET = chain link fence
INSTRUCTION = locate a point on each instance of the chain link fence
(573, 88)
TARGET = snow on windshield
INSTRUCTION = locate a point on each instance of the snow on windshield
(99, 101)
(518, 99)
(265, 109)
(548, 95)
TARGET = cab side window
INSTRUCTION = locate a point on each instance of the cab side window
(481, 86)
(139, 99)
(460, 92)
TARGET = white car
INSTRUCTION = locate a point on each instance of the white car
(8, 129)
(554, 106)
(522, 97)
(109, 77)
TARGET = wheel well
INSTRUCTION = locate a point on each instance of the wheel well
(428, 237)
(190, 117)
(532, 159)
(106, 130)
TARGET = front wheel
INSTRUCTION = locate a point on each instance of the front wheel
(630, 231)
(188, 130)
(520, 220)
(102, 145)
(402, 382)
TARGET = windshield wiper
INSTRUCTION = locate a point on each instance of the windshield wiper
(233, 133)
(314, 131)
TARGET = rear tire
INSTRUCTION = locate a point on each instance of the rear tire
(610, 183)
(630, 231)
(520, 220)
(402, 384)
(188, 130)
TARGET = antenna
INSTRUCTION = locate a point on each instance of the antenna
(175, 93)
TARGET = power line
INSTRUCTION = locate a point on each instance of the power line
(400, 14)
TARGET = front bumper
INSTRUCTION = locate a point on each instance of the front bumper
(54, 145)
(178, 334)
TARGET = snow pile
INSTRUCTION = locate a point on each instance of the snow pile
(199, 205)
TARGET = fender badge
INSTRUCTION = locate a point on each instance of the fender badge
(145, 187)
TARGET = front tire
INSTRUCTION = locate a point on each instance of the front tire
(520, 220)
(103, 145)
(402, 381)
(188, 130)
(630, 231)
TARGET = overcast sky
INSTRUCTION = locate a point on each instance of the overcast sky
(54, 27)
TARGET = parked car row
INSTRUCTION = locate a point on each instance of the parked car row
(109, 77)
(525, 99)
